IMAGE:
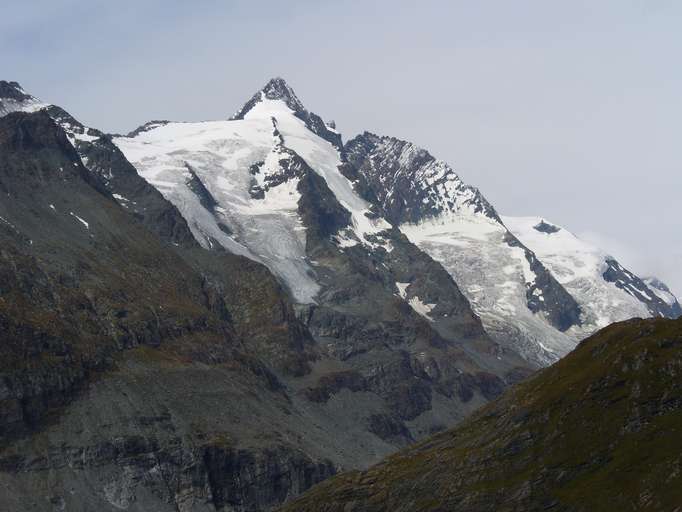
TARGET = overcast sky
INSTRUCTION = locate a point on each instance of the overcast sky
(569, 110)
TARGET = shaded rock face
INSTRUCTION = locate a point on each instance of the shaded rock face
(573, 437)
(408, 182)
(546, 295)
(242, 480)
(130, 446)
(103, 159)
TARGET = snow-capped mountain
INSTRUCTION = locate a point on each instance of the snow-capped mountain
(510, 269)
(272, 184)
(248, 165)
(519, 301)
(605, 290)
(386, 318)
(252, 185)
(236, 300)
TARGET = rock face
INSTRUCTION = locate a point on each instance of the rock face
(599, 430)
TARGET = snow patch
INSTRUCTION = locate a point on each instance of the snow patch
(402, 289)
(82, 221)
(421, 308)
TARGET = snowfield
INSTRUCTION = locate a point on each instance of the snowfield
(221, 154)
(494, 277)
(579, 267)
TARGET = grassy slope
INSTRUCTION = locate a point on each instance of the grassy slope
(599, 430)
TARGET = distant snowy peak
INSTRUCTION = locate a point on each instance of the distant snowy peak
(264, 184)
(278, 90)
(664, 293)
(410, 184)
(633, 285)
(13, 98)
(14, 91)
(275, 89)
(606, 291)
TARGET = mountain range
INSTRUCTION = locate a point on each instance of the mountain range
(217, 315)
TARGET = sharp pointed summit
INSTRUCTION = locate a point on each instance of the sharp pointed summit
(276, 89)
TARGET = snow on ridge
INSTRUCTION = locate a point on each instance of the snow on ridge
(30, 104)
(579, 267)
(660, 290)
(323, 158)
(221, 153)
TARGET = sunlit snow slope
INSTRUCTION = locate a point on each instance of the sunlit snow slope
(218, 173)
(535, 291)
(495, 277)
(605, 290)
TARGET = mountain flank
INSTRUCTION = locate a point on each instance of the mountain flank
(597, 431)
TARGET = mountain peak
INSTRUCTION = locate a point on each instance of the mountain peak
(13, 98)
(13, 91)
(276, 89)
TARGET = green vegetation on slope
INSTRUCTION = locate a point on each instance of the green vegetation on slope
(599, 430)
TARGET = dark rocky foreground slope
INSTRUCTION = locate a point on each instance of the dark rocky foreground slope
(598, 431)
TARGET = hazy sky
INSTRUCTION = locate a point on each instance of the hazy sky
(569, 110)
